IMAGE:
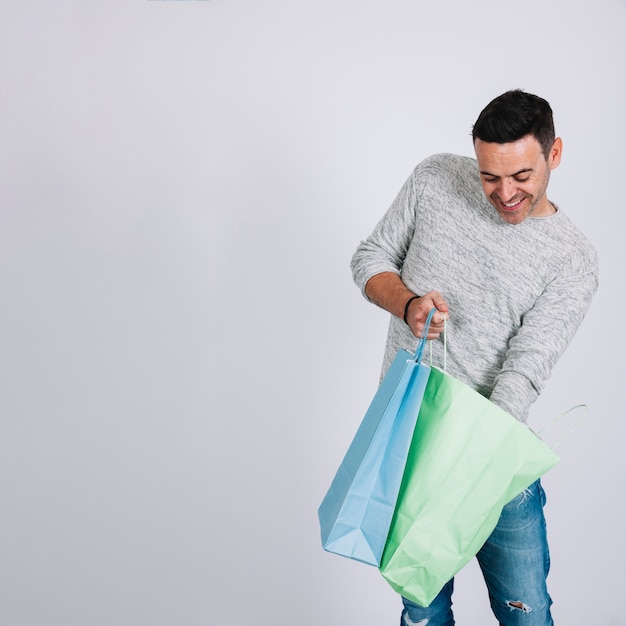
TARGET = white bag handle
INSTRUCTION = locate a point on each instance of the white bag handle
(550, 423)
(445, 345)
(572, 429)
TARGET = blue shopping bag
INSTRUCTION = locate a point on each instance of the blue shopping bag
(356, 513)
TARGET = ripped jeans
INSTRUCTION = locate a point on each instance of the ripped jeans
(514, 562)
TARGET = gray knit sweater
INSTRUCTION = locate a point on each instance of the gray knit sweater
(516, 293)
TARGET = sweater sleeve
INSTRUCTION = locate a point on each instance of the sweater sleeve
(386, 247)
(545, 333)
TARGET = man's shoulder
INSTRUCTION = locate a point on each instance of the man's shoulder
(451, 174)
(582, 252)
(445, 166)
(447, 162)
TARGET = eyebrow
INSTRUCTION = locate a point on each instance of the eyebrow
(524, 171)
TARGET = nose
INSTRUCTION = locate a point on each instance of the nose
(507, 189)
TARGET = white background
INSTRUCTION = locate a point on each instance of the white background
(183, 355)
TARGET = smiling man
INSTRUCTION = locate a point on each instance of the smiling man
(517, 193)
(515, 172)
(479, 240)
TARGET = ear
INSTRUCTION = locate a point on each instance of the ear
(554, 158)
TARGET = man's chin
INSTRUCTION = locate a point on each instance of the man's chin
(512, 217)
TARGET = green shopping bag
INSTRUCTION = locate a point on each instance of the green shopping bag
(467, 459)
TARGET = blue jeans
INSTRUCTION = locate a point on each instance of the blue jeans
(514, 562)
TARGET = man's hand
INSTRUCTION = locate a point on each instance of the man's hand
(419, 309)
(389, 292)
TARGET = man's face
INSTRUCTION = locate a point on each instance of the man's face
(515, 176)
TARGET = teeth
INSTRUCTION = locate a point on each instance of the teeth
(511, 204)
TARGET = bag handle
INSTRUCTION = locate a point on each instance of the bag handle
(539, 432)
(571, 430)
(417, 357)
(445, 346)
(419, 351)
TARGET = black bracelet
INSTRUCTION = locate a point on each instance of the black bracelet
(406, 306)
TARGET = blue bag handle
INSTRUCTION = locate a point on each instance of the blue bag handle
(422, 342)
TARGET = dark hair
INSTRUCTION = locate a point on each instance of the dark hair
(514, 115)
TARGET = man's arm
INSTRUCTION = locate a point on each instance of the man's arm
(546, 331)
(389, 292)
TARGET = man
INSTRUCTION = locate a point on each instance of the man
(479, 240)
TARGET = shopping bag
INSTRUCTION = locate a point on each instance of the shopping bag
(356, 512)
(468, 458)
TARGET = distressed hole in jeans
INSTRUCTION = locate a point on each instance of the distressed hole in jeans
(409, 622)
(525, 495)
(524, 608)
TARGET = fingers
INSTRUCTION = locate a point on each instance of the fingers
(419, 315)
(432, 334)
(440, 304)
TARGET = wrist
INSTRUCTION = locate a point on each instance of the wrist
(407, 306)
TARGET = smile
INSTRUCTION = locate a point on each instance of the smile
(511, 206)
